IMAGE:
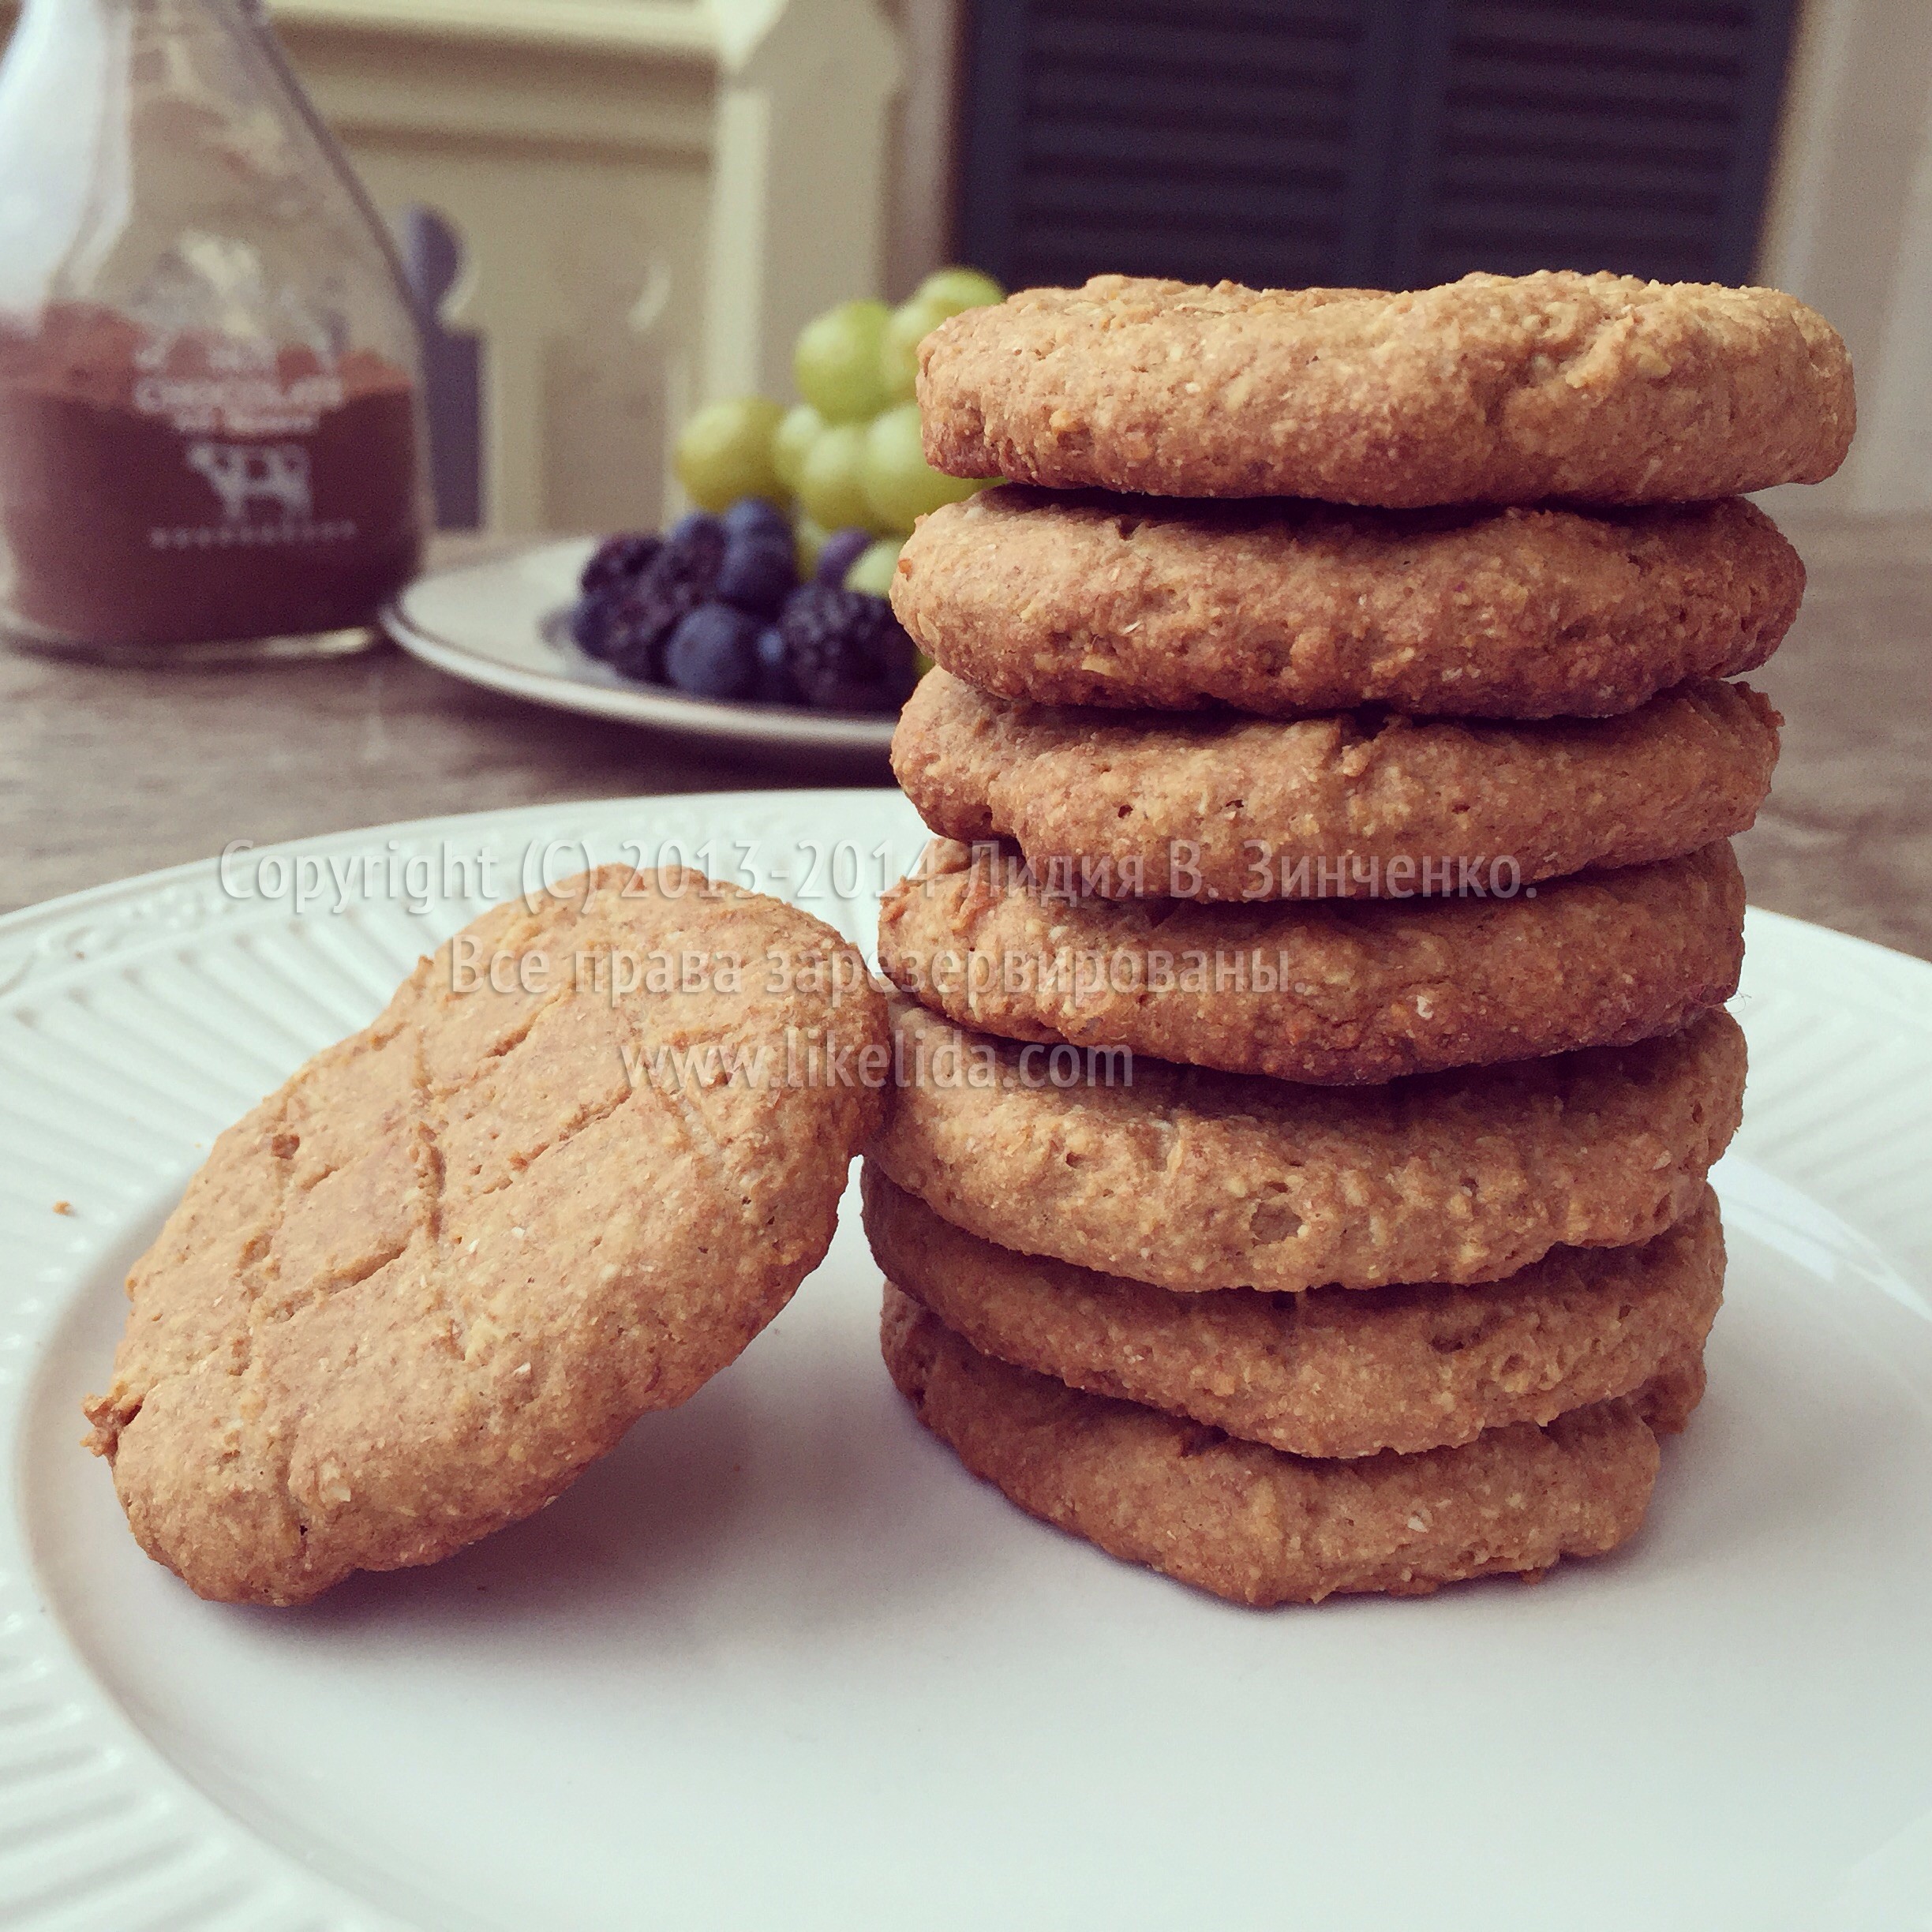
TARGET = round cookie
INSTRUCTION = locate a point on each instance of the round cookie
(1336, 994)
(561, 1181)
(1260, 1528)
(1193, 1180)
(1353, 805)
(1283, 608)
(1334, 1372)
(1600, 388)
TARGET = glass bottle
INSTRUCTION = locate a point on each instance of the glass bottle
(210, 424)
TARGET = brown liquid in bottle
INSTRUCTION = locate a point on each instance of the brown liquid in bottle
(160, 489)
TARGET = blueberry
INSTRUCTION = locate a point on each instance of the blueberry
(619, 560)
(775, 684)
(752, 516)
(694, 524)
(757, 574)
(713, 652)
(590, 622)
(843, 549)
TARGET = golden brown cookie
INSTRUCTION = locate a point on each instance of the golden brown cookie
(1599, 388)
(563, 1179)
(1353, 805)
(1193, 1180)
(1283, 609)
(1349, 807)
(1251, 1524)
(1338, 993)
(1336, 1371)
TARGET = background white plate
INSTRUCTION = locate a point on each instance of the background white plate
(780, 1663)
(492, 623)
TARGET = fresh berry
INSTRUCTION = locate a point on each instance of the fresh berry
(725, 451)
(774, 684)
(714, 653)
(695, 523)
(874, 570)
(679, 579)
(618, 560)
(845, 650)
(591, 619)
(843, 549)
(758, 572)
(754, 516)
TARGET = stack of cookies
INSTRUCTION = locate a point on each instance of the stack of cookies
(1311, 1044)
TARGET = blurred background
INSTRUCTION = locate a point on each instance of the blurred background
(615, 209)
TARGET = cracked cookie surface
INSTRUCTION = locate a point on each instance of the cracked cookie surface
(1195, 1181)
(1251, 1524)
(563, 1180)
(1334, 1372)
(1279, 608)
(1599, 389)
(1143, 806)
(1337, 992)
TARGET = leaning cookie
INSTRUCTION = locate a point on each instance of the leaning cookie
(1279, 608)
(1349, 805)
(1197, 1180)
(1255, 1525)
(1338, 994)
(1600, 388)
(1336, 1371)
(563, 1180)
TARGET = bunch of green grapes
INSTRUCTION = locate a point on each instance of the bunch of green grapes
(849, 452)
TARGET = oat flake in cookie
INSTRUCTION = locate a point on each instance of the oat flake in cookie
(414, 1292)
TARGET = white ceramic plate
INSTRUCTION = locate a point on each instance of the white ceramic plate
(499, 623)
(780, 1663)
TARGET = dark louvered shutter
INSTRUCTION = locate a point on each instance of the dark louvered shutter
(1390, 142)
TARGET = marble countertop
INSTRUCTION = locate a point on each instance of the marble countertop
(106, 773)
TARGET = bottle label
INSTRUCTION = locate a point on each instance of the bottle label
(159, 484)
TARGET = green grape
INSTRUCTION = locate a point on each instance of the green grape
(808, 539)
(959, 288)
(900, 486)
(873, 568)
(831, 485)
(798, 429)
(837, 361)
(725, 452)
(912, 323)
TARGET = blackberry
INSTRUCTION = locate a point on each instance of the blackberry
(617, 560)
(677, 580)
(845, 651)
